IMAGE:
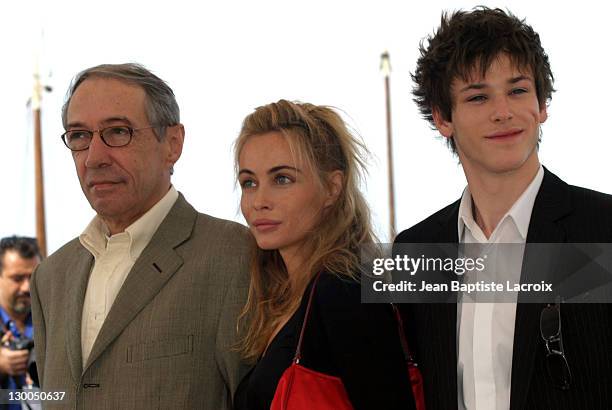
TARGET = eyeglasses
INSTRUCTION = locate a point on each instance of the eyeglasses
(115, 136)
(556, 362)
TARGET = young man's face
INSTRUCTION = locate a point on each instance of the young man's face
(495, 120)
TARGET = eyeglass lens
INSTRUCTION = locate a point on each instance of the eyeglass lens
(558, 369)
(112, 136)
(550, 323)
(556, 363)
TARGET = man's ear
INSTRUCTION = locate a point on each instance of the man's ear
(444, 127)
(175, 136)
(335, 182)
(543, 113)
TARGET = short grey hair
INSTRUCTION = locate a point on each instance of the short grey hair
(160, 103)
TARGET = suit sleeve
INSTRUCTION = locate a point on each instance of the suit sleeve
(40, 329)
(365, 346)
(229, 361)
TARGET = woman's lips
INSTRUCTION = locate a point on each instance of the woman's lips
(265, 225)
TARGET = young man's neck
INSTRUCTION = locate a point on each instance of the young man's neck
(493, 194)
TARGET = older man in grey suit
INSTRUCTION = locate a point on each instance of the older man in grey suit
(139, 311)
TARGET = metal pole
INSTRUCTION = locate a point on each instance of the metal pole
(41, 234)
(385, 66)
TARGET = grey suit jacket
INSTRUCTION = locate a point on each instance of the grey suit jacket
(167, 340)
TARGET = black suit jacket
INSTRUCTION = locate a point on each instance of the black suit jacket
(561, 213)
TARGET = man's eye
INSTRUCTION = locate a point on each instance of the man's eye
(78, 135)
(477, 98)
(118, 131)
(282, 180)
(19, 278)
(519, 91)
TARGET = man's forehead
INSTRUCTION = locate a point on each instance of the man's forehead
(12, 258)
(481, 71)
(111, 97)
(98, 80)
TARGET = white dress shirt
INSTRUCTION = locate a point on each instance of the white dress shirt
(485, 331)
(114, 258)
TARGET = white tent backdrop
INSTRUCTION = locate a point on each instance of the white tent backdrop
(223, 59)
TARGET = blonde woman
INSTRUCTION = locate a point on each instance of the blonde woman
(298, 168)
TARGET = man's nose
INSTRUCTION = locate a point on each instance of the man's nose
(502, 111)
(98, 152)
(25, 286)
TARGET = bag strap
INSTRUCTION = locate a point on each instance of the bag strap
(298, 350)
(400, 327)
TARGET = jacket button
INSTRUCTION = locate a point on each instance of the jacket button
(88, 385)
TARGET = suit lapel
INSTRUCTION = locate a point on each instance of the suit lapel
(448, 224)
(551, 205)
(155, 266)
(446, 318)
(78, 275)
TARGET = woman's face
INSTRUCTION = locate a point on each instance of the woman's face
(281, 199)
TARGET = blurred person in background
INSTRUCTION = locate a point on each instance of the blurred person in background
(19, 256)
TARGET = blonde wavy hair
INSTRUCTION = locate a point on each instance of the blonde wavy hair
(319, 138)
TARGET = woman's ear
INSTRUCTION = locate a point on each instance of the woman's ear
(335, 182)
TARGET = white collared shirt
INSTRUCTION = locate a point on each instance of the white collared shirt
(114, 258)
(485, 331)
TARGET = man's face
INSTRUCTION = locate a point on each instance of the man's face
(15, 283)
(121, 183)
(495, 120)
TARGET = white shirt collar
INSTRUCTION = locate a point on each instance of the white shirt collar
(95, 237)
(519, 213)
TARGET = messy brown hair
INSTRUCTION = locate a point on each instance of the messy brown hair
(318, 136)
(472, 40)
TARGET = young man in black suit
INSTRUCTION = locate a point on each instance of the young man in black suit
(484, 82)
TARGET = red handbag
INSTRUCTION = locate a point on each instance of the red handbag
(303, 389)
(416, 378)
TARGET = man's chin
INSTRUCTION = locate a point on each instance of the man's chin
(22, 309)
(510, 164)
(107, 207)
(505, 163)
(105, 198)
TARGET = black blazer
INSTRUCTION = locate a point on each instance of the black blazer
(561, 213)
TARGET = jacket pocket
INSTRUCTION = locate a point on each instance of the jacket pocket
(155, 349)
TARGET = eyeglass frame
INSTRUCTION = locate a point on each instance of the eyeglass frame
(556, 338)
(100, 132)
